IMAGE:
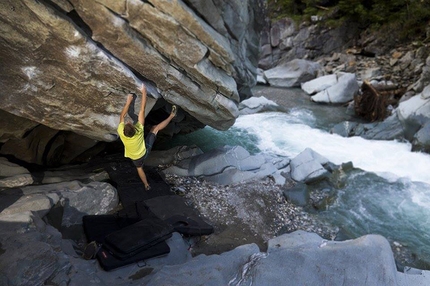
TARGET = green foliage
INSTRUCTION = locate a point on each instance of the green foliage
(355, 10)
(412, 15)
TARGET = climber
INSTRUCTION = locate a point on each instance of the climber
(132, 135)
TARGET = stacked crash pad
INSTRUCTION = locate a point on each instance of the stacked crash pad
(139, 231)
(125, 238)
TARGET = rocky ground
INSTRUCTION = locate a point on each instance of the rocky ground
(254, 212)
(251, 212)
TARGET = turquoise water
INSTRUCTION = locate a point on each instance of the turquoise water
(388, 193)
(209, 138)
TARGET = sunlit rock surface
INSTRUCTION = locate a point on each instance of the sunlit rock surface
(69, 64)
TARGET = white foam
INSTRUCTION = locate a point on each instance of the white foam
(420, 196)
(389, 159)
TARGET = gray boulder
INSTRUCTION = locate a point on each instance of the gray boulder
(342, 92)
(418, 105)
(389, 129)
(421, 141)
(293, 73)
(258, 104)
(303, 258)
(225, 165)
(308, 167)
(319, 84)
(76, 199)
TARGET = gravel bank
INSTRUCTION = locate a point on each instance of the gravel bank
(250, 212)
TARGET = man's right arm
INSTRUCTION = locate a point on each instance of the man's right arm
(125, 108)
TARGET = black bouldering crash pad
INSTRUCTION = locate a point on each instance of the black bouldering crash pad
(109, 262)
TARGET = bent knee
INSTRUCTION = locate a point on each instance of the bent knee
(154, 129)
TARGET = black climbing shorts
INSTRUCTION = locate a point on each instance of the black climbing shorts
(149, 141)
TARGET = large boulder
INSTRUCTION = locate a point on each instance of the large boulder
(69, 65)
(367, 260)
(258, 104)
(293, 73)
(75, 198)
(308, 167)
(341, 92)
(319, 84)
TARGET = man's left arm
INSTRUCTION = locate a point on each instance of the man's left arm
(141, 116)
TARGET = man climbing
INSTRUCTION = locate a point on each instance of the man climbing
(132, 136)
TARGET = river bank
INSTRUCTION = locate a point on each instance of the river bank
(256, 211)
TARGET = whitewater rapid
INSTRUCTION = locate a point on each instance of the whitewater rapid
(288, 134)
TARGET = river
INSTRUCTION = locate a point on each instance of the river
(387, 193)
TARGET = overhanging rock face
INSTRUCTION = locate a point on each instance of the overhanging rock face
(70, 64)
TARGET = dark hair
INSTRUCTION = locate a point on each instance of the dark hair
(129, 130)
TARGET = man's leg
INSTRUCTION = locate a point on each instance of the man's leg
(151, 138)
(165, 122)
(143, 177)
